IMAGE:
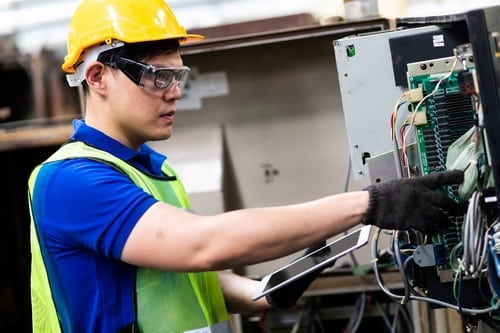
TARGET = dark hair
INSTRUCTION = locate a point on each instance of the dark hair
(142, 51)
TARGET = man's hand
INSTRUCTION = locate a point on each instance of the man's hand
(413, 202)
(287, 296)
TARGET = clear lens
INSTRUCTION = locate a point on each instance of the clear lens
(153, 79)
(164, 77)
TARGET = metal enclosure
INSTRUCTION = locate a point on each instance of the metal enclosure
(368, 93)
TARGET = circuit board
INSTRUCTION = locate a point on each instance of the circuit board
(449, 114)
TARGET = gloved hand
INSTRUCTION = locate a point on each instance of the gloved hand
(287, 296)
(413, 202)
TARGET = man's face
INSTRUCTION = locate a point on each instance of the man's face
(139, 114)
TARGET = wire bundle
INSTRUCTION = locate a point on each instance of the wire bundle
(475, 240)
(410, 292)
(494, 250)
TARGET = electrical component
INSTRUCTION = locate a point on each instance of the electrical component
(414, 95)
(418, 118)
(466, 82)
(443, 115)
(443, 105)
(449, 115)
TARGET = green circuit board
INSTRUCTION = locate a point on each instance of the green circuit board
(449, 114)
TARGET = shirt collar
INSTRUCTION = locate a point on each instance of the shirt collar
(146, 159)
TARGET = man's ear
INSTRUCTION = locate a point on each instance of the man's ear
(94, 76)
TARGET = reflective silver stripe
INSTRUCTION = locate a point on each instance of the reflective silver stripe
(223, 327)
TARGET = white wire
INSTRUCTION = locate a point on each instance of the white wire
(357, 315)
(412, 121)
(388, 292)
(475, 237)
(401, 268)
(395, 319)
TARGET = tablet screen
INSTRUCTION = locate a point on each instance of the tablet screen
(323, 257)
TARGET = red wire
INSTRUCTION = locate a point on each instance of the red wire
(403, 144)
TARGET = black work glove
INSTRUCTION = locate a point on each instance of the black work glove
(413, 202)
(287, 296)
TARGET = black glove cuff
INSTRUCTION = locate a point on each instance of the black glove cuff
(279, 303)
(287, 296)
(370, 214)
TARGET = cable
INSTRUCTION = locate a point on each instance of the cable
(388, 292)
(412, 121)
(475, 239)
(408, 321)
(399, 262)
(394, 114)
(319, 322)
(357, 314)
(395, 319)
(459, 298)
(393, 121)
(385, 318)
(402, 312)
(347, 174)
(346, 188)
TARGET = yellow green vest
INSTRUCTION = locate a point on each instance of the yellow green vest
(168, 302)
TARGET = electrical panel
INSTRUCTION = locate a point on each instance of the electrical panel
(424, 98)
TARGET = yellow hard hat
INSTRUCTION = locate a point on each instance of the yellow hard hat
(130, 21)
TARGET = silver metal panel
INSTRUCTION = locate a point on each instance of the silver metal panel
(368, 93)
(424, 256)
(382, 167)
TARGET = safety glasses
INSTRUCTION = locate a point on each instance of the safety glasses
(153, 79)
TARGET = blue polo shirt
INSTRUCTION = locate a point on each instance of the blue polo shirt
(87, 211)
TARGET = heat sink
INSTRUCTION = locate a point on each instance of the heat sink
(449, 115)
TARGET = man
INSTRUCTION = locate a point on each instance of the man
(115, 247)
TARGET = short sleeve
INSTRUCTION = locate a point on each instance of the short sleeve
(89, 205)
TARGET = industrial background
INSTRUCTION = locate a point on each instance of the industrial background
(263, 116)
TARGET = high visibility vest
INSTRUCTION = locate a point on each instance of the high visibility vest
(166, 301)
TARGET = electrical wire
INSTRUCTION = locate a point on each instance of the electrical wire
(357, 314)
(417, 107)
(475, 239)
(401, 100)
(393, 121)
(398, 298)
(408, 321)
(400, 264)
(346, 188)
(395, 319)
(383, 314)
(313, 317)
(494, 243)
(347, 174)
(467, 258)
(319, 322)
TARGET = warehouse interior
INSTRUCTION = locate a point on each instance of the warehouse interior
(287, 102)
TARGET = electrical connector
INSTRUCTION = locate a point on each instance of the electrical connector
(420, 118)
(466, 82)
(414, 95)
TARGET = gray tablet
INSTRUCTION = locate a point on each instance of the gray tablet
(318, 259)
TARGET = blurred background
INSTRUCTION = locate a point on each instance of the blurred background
(262, 119)
(43, 23)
